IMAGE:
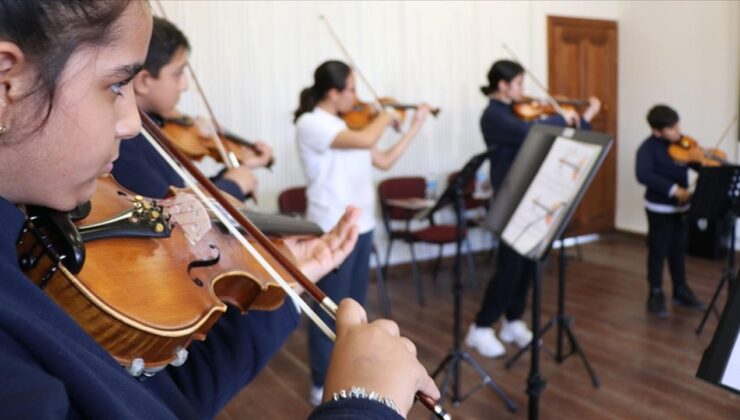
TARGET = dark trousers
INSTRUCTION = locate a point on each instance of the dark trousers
(507, 290)
(350, 280)
(666, 238)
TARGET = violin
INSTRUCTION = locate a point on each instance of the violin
(185, 134)
(529, 109)
(363, 113)
(144, 277)
(687, 151)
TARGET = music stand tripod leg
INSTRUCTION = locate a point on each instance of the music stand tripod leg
(563, 324)
(457, 355)
(727, 277)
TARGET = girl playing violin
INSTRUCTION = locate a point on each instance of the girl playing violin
(70, 62)
(338, 165)
(666, 202)
(504, 132)
(158, 87)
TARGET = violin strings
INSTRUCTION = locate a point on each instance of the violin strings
(243, 241)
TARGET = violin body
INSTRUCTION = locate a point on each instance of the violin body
(687, 151)
(363, 113)
(147, 282)
(186, 136)
(530, 109)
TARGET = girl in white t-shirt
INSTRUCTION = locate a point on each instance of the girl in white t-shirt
(338, 165)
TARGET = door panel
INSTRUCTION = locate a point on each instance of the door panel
(582, 61)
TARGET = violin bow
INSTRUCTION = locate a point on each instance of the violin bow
(733, 121)
(229, 159)
(352, 63)
(193, 178)
(549, 97)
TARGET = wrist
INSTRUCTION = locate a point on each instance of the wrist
(356, 392)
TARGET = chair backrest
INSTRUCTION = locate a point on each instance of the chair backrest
(293, 201)
(400, 187)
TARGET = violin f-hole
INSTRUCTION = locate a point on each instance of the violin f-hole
(204, 263)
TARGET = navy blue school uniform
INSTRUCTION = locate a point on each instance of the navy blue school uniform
(667, 226)
(51, 368)
(504, 132)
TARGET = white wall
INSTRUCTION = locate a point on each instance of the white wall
(684, 54)
(254, 57)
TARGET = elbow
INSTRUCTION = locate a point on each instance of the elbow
(382, 165)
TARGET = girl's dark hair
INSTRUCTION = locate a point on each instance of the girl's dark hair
(662, 116)
(505, 70)
(166, 40)
(50, 31)
(329, 75)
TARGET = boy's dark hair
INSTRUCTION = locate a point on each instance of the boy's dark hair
(166, 40)
(505, 70)
(50, 31)
(329, 75)
(662, 116)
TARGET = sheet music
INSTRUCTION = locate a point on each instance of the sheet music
(731, 376)
(554, 187)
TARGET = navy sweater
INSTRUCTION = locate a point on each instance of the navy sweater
(658, 172)
(506, 132)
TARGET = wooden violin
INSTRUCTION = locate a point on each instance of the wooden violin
(687, 151)
(529, 109)
(145, 277)
(363, 113)
(186, 135)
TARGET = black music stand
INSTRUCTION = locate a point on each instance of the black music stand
(720, 362)
(564, 326)
(455, 195)
(717, 196)
(535, 225)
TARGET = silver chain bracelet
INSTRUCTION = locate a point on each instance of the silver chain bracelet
(361, 393)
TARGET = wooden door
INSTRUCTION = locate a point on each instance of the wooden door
(582, 61)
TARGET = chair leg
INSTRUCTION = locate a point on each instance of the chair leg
(380, 283)
(387, 257)
(417, 277)
(471, 264)
(437, 264)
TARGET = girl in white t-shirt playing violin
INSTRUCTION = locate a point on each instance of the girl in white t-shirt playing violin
(337, 162)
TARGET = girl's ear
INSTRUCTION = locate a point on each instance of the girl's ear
(13, 81)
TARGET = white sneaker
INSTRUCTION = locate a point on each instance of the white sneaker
(515, 332)
(484, 340)
(317, 394)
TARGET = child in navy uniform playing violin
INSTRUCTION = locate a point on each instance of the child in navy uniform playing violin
(504, 133)
(666, 202)
(66, 104)
(158, 88)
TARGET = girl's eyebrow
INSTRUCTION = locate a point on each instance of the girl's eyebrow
(126, 71)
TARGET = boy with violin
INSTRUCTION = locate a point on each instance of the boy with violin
(66, 104)
(158, 87)
(666, 202)
(503, 133)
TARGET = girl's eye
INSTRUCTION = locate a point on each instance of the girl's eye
(117, 88)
